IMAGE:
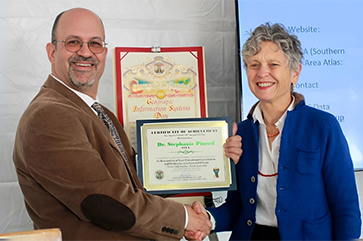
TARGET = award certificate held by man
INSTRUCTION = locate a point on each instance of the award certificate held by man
(184, 155)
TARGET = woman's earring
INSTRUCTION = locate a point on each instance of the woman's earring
(292, 87)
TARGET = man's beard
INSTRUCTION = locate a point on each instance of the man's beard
(76, 76)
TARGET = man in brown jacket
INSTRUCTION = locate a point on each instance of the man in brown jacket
(71, 172)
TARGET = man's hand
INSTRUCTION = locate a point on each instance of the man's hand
(233, 145)
(199, 209)
(199, 225)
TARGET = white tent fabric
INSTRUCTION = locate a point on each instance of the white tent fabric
(25, 28)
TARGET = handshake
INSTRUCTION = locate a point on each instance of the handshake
(199, 224)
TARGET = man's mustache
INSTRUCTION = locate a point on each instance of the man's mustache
(81, 58)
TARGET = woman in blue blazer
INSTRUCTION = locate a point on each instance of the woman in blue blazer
(295, 177)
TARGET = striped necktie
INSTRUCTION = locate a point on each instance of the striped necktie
(111, 127)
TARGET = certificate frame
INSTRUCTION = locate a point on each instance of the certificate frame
(164, 84)
(164, 173)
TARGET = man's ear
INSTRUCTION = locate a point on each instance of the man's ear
(51, 52)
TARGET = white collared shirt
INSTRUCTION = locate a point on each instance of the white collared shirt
(268, 169)
(86, 98)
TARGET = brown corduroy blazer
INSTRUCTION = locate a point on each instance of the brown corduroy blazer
(73, 176)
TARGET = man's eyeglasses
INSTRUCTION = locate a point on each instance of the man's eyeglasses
(73, 45)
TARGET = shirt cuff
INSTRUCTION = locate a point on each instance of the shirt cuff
(186, 217)
(212, 220)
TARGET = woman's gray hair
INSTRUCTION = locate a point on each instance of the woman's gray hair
(278, 34)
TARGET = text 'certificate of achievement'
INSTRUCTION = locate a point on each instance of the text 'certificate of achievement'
(159, 85)
(184, 155)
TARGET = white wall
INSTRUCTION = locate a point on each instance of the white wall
(359, 180)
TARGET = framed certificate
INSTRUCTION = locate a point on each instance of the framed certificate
(184, 155)
(159, 85)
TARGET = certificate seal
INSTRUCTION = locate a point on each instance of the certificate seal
(159, 174)
(216, 171)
